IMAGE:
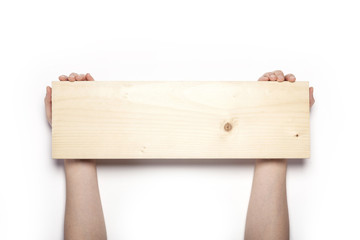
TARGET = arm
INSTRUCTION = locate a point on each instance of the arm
(268, 216)
(84, 218)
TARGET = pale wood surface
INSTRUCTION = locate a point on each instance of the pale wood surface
(199, 119)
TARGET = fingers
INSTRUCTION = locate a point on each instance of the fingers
(76, 77)
(290, 77)
(262, 78)
(265, 77)
(279, 75)
(48, 103)
(80, 77)
(63, 78)
(72, 77)
(88, 77)
(273, 76)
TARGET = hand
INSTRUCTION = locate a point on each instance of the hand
(72, 77)
(279, 76)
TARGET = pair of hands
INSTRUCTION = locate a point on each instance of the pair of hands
(269, 76)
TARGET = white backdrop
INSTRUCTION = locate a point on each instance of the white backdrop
(318, 41)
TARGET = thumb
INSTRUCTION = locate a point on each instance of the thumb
(311, 96)
(48, 104)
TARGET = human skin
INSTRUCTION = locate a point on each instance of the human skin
(267, 216)
(84, 218)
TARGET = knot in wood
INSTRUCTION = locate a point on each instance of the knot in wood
(227, 127)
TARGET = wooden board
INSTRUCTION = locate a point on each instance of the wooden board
(199, 119)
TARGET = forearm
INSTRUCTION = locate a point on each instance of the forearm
(267, 216)
(84, 218)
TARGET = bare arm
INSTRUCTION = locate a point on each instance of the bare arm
(84, 218)
(268, 217)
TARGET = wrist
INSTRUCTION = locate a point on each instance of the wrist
(76, 163)
(280, 164)
(272, 160)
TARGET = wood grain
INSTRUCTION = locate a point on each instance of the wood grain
(197, 119)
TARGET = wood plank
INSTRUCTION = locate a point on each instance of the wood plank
(198, 119)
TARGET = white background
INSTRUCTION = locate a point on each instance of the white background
(318, 41)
